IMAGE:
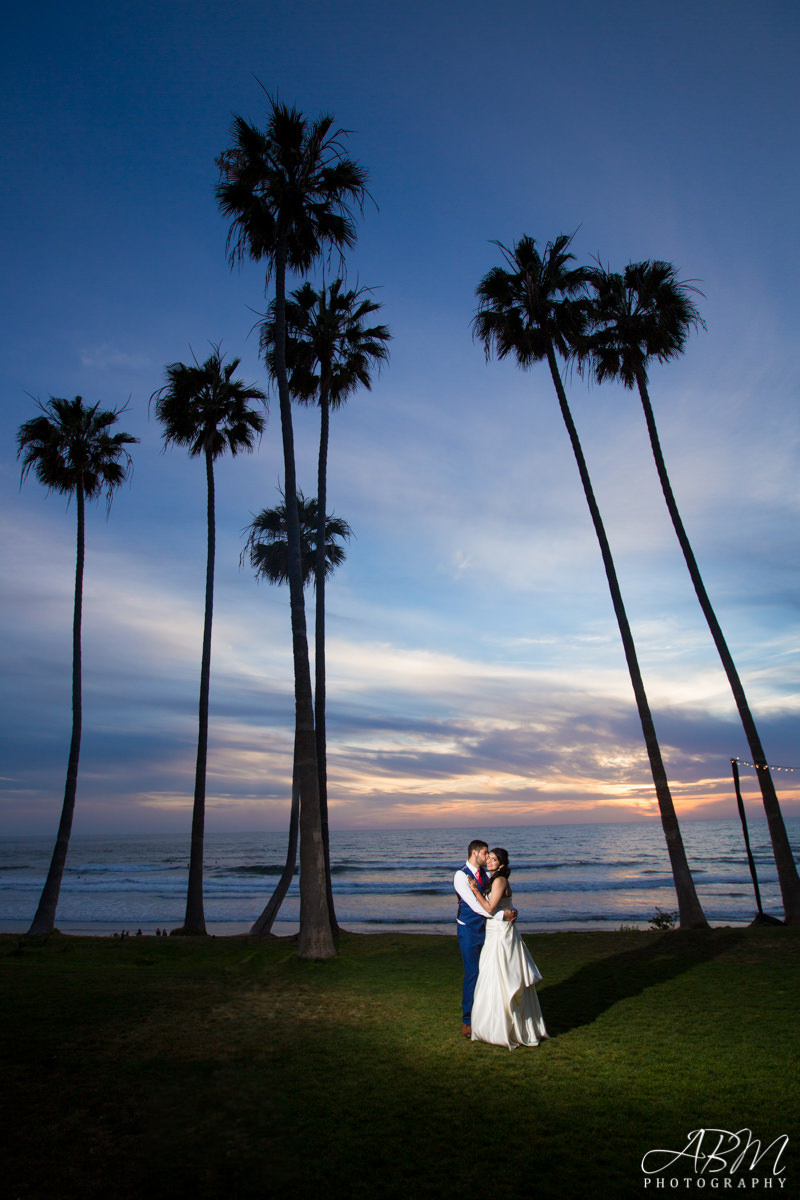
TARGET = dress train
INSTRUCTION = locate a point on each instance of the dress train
(506, 1009)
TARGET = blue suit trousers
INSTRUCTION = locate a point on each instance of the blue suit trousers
(470, 940)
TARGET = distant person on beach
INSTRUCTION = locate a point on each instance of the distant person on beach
(505, 1008)
(471, 920)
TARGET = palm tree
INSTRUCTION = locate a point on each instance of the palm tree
(71, 450)
(267, 544)
(207, 410)
(268, 551)
(532, 309)
(330, 353)
(289, 191)
(647, 313)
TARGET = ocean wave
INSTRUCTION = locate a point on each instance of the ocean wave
(257, 869)
(122, 868)
(571, 875)
(244, 882)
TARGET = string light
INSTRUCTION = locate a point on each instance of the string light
(763, 767)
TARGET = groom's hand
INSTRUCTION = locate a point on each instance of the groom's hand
(511, 915)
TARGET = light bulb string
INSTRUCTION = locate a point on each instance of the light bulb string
(763, 767)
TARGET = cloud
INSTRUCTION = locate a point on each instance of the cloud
(533, 726)
(105, 357)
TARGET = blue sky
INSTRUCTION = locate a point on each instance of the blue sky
(475, 670)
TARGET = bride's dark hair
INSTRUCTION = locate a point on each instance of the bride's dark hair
(502, 856)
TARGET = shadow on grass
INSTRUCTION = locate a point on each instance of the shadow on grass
(598, 986)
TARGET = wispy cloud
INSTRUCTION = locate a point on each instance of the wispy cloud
(105, 357)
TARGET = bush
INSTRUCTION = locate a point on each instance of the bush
(663, 920)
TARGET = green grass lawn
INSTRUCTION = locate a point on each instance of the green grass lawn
(228, 1067)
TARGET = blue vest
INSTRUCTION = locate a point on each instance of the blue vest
(467, 915)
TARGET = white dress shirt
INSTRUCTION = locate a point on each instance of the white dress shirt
(461, 884)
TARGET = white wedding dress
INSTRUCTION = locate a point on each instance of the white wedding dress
(506, 1009)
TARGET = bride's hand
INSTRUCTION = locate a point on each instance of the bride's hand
(473, 883)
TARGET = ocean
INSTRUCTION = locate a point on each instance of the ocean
(563, 877)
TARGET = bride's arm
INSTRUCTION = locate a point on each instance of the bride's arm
(496, 894)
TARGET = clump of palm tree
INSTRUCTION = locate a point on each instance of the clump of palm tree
(642, 314)
(70, 448)
(204, 408)
(331, 352)
(267, 549)
(534, 308)
(290, 192)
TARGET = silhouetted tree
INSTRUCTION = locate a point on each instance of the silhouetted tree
(203, 408)
(331, 351)
(534, 308)
(267, 548)
(71, 450)
(289, 190)
(647, 313)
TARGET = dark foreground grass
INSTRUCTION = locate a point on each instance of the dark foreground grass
(228, 1068)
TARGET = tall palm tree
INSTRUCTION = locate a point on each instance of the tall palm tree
(267, 548)
(533, 308)
(289, 191)
(647, 313)
(71, 450)
(330, 352)
(204, 408)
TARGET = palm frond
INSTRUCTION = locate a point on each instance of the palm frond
(642, 314)
(203, 407)
(534, 301)
(267, 542)
(330, 350)
(69, 446)
(291, 185)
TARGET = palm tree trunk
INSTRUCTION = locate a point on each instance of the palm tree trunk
(690, 911)
(784, 859)
(45, 918)
(263, 924)
(195, 921)
(316, 938)
(319, 645)
(743, 819)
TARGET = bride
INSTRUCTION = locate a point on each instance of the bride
(506, 1009)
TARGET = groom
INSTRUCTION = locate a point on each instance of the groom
(471, 923)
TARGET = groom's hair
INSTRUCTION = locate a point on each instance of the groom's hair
(476, 845)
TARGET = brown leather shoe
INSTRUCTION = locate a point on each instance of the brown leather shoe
(466, 1030)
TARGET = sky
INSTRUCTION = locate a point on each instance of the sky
(475, 671)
